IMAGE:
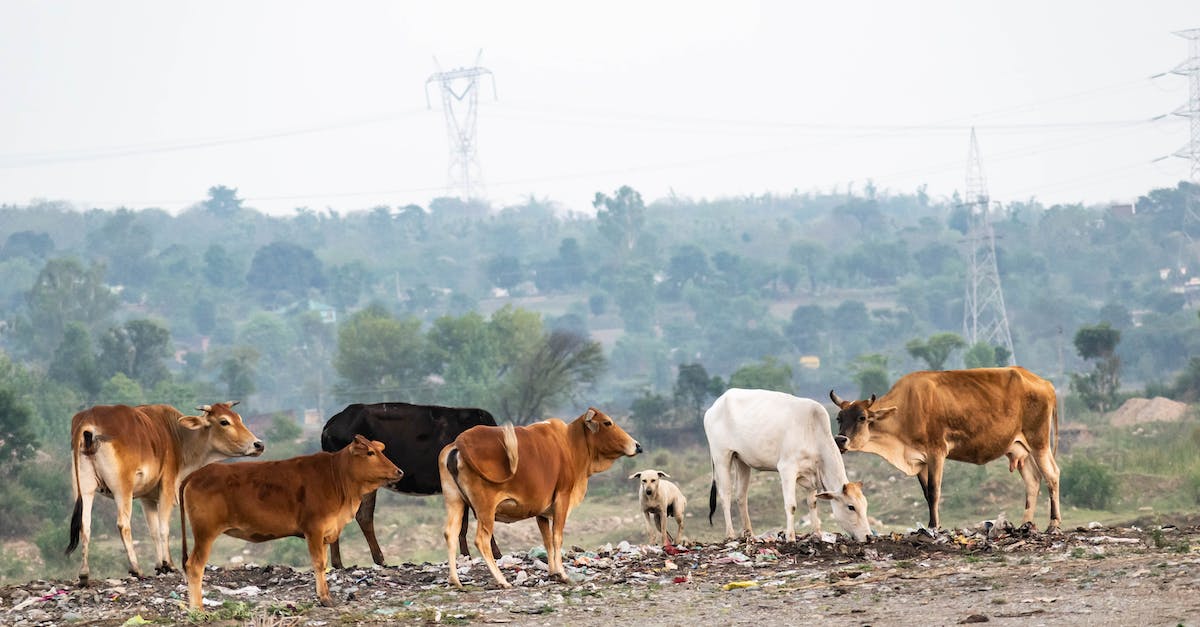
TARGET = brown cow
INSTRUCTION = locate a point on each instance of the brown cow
(975, 416)
(144, 452)
(513, 473)
(311, 496)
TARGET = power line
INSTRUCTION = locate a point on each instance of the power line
(460, 104)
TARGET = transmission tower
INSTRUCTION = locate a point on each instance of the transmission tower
(984, 316)
(460, 99)
(1191, 151)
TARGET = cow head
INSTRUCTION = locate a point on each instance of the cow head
(854, 421)
(605, 440)
(850, 509)
(367, 467)
(227, 434)
(649, 479)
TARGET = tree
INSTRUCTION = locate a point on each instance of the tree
(768, 374)
(283, 429)
(563, 365)
(137, 349)
(222, 202)
(620, 218)
(236, 370)
(937, 349)
(17, 439)
(1098, 389)
(694, 389)
(504, 271)
(64, 292)
(379, 357)
(870, 372)
(650, 410)
(805, 329)
(74, 363)
(984, 355)
(285, 270)
(219, 267)
(120, 389)
(30, 244)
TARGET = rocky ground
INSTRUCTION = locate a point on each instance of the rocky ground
(1145, 574)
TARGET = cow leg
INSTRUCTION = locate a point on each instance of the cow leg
(561, 510)
(547, 532)
(741, 478)
(787, 480)
(124, 512)
(316, 551)
(462, 533)
(194, 568)
(165, 504)
(485, 520)
(87, 496)
(814, 516)
(723, 475)
(934, 492)
(366, 522)
(456, 511)
(1044, 458)
(150, 510)
(1032, 484)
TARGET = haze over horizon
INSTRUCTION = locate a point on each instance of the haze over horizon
(304, 104)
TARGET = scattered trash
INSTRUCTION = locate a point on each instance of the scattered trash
(737, 585)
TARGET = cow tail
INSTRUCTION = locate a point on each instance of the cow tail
(510, 447)
(712, 496)
(77, 514)
(183, 554)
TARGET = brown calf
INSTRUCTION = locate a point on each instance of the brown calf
(312, 496)
(144, 452)
(512, 473)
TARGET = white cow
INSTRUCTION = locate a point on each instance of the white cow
(768, 430)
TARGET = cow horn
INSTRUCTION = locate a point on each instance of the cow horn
(232, 403)
(836, 400)
(204, 408)
(872, 401)
(591, 413)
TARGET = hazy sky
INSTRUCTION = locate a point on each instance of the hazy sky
(322, 104)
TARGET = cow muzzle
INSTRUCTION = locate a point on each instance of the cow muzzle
(256, 449)
(841, 441)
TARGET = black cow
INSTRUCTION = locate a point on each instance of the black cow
(412, 435)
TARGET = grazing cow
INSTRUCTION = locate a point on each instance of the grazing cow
(660, 499)
(312, 496)
(513, 473)
(413, 435)
(767, 430)
(974, 416)
(144, 452)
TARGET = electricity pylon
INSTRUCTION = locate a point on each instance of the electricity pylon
(460, 99)
(1191, 151)
(984, 316)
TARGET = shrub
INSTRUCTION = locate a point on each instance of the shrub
(1087, 483)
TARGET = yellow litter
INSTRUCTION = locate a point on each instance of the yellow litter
(736, 585)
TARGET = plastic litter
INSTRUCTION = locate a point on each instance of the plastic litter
(737, 585)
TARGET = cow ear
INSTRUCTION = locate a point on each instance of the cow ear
(853, 486)
(828, 496)
(192, 422)
(872, 401)
(587, 420)
(379, 445)
(636, 475)
(881, 413)
(204, 408)
(360, 444)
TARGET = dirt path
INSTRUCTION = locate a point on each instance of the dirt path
(1104, 576)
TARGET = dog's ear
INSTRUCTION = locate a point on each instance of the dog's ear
(636, 475)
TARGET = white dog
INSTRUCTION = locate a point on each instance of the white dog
(660, 499)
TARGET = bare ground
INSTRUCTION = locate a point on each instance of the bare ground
(1137, 574)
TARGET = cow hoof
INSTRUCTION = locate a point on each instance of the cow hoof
(136, 574)
(326, 601)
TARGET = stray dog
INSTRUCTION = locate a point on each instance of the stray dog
(660, 499)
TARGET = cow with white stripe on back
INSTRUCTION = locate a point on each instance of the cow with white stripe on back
(767, 430)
